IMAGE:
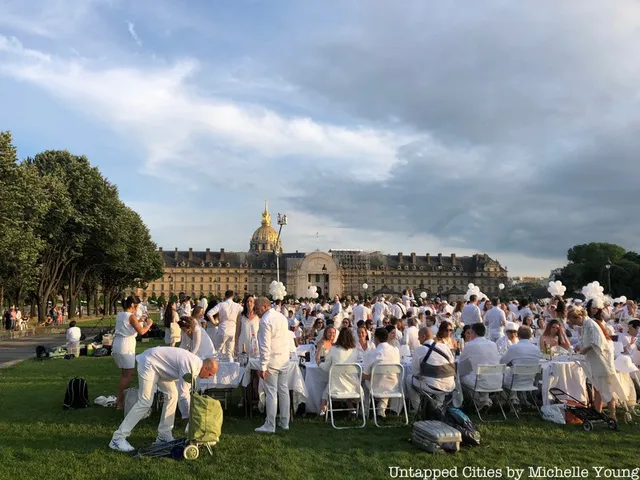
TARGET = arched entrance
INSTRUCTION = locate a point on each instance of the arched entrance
(318, 269)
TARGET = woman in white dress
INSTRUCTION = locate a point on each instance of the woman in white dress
(342, 352)
(195, 340)
(171, 329)
(124, 343)
(248, 324)
(363, 344)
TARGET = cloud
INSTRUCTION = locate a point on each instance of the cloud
(528, 113)
(132, 31)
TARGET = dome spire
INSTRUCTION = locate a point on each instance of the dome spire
(266, 216)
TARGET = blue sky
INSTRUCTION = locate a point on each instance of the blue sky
(396, 126)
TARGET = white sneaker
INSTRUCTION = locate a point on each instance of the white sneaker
(121, 445)
(283, 427)
(160, 440)
(265, 429)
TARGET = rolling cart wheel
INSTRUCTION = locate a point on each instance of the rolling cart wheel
(628, 418)
(613, 425)
(191, 452)
(636, 410)
(587, 426)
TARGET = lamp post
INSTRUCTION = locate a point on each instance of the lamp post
(608, 267)
(282, 221)
(364, 287)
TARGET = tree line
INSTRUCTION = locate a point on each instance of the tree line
(65, 232)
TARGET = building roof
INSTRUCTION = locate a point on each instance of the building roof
(256, 260)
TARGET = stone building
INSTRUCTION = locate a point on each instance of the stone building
(337, 272)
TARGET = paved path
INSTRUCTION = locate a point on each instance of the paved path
(20, 349)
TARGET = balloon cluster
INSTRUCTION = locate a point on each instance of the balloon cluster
(621, 299)
(556, 289)
(312, 292)
(473, 290)
(277, 290)
(594, 291)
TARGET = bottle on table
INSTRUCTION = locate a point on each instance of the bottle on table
(243, 358)
(255, 349)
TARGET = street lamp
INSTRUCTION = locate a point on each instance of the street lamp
(608, 267)
(282, 221)
(365, 286)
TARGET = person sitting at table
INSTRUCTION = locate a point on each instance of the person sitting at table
(433, 367)
(343, 351)
(363, 343)
(195, 340)
(326, 342)
(396, 323)
(346, 323)
(431, 323)
(444, 335)
(598, 353)
(392, 339)
(383, 353)
(466, 334)
(317, 330)
(522, 352)
(479, 351)
(553, 337)
(632, 337)
(509, 338)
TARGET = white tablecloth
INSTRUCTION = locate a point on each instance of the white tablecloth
(229, 376)
(315, 380)
(294, 380)
(569, 376)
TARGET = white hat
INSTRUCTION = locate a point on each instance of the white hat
(624, 364)
(577, 301)
(511, 326)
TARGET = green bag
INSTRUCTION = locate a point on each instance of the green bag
(205, 419)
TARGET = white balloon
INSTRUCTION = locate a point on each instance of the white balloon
(470, 286)
(365, 286)
(423, 295)
(501, 286)
(623, 299)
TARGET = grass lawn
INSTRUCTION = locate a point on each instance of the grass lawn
(40, 440)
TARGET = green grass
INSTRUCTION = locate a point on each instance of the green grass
(40, 440)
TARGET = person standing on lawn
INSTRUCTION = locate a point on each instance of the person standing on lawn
(161, 367)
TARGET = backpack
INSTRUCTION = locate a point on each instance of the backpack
(77, 395)
(101, 352)
(41, 352)
(461, 422)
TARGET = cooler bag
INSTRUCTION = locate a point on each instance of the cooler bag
(433, 437)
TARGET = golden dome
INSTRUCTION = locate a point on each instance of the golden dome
(264, 239)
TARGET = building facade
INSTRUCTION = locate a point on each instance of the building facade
(337, 272)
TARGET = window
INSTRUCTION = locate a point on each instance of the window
(193, 279)
(201, 288)
(201, 279)
(182, 279)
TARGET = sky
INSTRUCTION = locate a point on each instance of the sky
(498, 127)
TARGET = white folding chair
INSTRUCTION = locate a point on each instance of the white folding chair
(523, 379)
(397, 391)
(351, 375)
(489, 373)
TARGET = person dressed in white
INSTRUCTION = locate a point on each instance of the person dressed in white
(160, 367)
(479, 351)
(124, 343)
(471, 313)
(342, 352)
(170, 318)
(437, 372)
(411, 334)
(364, 344)
(195, 340)
(248, 326)
(336, 308)
(495, 320)
(73, 337)
(510, 338)
(380, 310)
(398, 310)
(359, 312)
(228, 314)
(522, 352)
(274, 340)
(203, 303)
(598, 352)
(383, 353)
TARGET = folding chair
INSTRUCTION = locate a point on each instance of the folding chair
(428, 394)
(387, 369)
(523, 379)
(487, 372)
(352, 373)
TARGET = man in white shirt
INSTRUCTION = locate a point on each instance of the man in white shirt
(228, 314)
(336, 308)
(510, 338)
(275, 340)
(479, 351)
(204, 303)
(383, 353)
(523, 352)
(161, 367)
(471, 313)
(359, 312)
(440, 373)
(411, 334)
(398, 310)
(495, 320)
(380, 310)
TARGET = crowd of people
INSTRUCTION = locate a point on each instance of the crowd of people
(430, 333)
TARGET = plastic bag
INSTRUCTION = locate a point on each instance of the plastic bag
(553, 413)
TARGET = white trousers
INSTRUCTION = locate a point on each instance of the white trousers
(184, 398)
(276, 389)
(224, 346)
(147, 381)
